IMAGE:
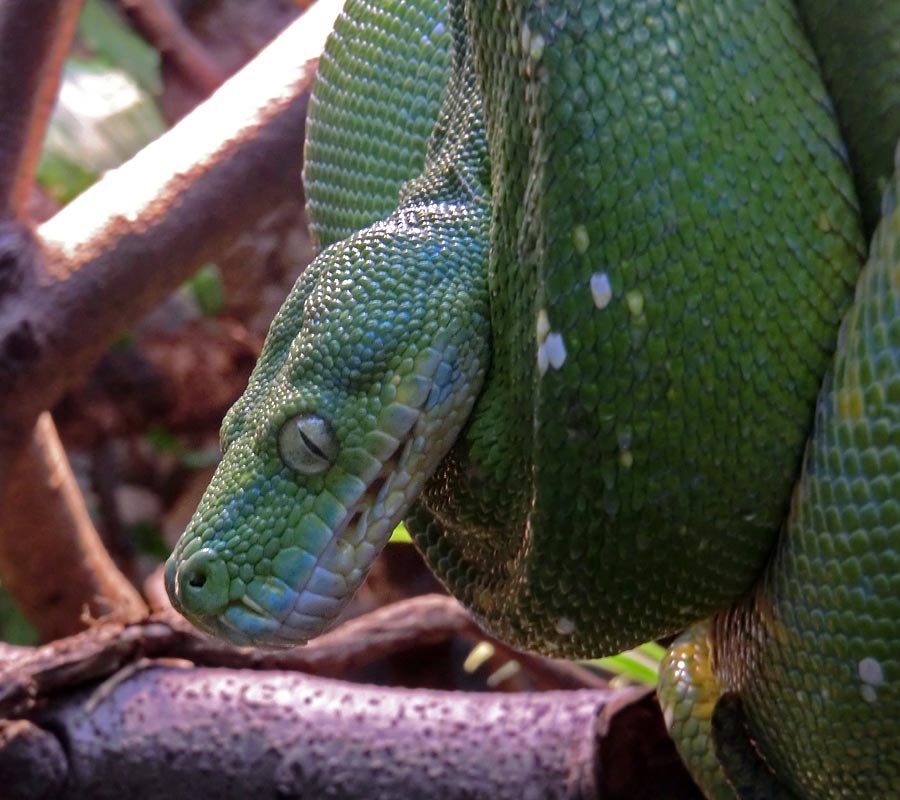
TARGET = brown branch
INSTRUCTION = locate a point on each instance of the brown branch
(71, 572)
(109, 646)
(173, 733)
(163, 28)
(116, 250)
(109, 256)
(35, 36)
(422, 620)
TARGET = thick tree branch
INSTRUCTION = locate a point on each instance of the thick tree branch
(86, 718)
(175, 733)
(108, 258)
(118, 249)
(35, 36)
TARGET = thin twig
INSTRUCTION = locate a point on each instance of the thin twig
(163, 28)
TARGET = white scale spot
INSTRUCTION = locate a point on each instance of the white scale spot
(871, 674)
(556, 350)
(551, 347)
(532, 44)
(565, 626)
(601, 289)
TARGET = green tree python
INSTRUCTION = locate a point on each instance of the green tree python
(583, 273)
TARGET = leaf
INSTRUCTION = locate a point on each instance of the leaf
(640, 665)
(400, 534)
(207, 289)
(112, 41)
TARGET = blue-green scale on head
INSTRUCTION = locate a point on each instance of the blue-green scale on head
(347, 411)
(318, 466)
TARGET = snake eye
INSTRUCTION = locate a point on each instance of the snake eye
(307, 445)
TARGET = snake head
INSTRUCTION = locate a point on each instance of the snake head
(368, 373)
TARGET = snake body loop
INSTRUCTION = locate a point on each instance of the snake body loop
(583, 273)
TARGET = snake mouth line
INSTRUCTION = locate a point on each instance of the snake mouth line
(323, 557)
(350, 551)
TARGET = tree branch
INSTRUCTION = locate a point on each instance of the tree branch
(162, 27)
(51, 558)
(35, 36)
(120, 247)
(109, 646)
(175, 733)
(88, 719)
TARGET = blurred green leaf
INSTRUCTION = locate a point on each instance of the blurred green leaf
(148, 539)
(14, 628)
(400, 534)
(166, 442)
(125, 341)
(62, 178)
(110, 38)
(105, 111)
(102, 117)
(640, 665)
(207, 289)
(163, 441)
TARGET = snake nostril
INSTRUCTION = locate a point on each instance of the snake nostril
(202, 584)
(197, 578)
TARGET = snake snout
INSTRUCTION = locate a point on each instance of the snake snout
(198, 586)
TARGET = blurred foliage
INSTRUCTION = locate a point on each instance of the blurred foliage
(207, 289)
(640, 665)
(164, 441)
(106, 109)
(148, 539)
(14, 628)
(108, 37)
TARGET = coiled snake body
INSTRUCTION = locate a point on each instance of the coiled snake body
(582, 357)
